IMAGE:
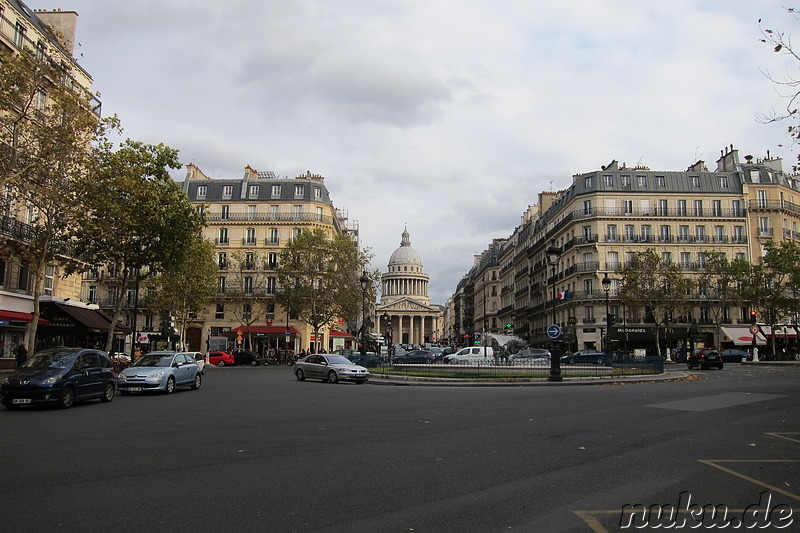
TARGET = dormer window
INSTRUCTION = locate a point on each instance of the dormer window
(202, 190)
(227, 192)
(299, 190)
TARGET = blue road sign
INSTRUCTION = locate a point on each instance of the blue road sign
(553, 331)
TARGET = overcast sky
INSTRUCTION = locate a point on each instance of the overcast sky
(449, 116)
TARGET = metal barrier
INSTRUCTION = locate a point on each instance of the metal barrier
(620, 366)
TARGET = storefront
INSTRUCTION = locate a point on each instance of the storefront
(77, 325)
(262, 339)
(13, 330)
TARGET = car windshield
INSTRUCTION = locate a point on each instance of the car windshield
(338, 360)
(54, 359)
(154, 360)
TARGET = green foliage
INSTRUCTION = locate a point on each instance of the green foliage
(187, 286)
(46, 135)
(318, 277)
(137, 220)
(656, 288)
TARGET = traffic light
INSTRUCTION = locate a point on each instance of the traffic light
(612, 319)
(477, 338)
(509, 327)
(753, 315)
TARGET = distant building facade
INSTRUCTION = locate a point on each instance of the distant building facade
(404, 307)
(250, 220)
(608, 215)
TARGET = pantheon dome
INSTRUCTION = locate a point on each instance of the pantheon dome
(405, 278)
(405, 314)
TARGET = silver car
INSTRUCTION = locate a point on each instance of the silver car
(160, 371)
(331, 368)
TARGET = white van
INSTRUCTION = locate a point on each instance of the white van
(473, 355)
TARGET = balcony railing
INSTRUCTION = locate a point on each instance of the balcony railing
(24, 43)
(671, 212)
(271, 217)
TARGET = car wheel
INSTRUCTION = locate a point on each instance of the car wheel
(170, 388)
(68, 399)
(689, 365)
(221, 363)
(300, 375)
(333, 377)
(719, 366)
(108, 394)
(254, 362)
(600, 361)
(198, 380)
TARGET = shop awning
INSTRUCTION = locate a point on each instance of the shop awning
(781, 332)
(340, 334)
(66, 316)
(16, 316)
(263, 330)
(741, 337)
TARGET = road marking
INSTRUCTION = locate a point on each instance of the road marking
(795, 436)
(717, 401)
(714, 463)
(592, 517)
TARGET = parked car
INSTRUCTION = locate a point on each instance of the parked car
(60, 376)
(369, 359)
(473, 355)
(246, 357)
(704, 359)
(221, 358)
(199, 358)
(734, 355)
(160, 371)
(586, 357)
(530, 356)
(437, 352)
(331, 368)
(415, 357)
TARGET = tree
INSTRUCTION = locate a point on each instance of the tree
(775, 284)
(656, 288)
(781, 43)
(249, 290)
(46, 133)
(318, 278)
(719, 283)
(138, 222)
(187, 286)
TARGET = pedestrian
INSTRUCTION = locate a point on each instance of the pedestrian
(22, 354)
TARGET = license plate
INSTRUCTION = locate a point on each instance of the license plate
(134, 389)
(21, 400)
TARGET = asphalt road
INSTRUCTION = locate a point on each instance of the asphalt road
(255, 450)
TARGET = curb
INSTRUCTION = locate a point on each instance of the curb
(401, 381)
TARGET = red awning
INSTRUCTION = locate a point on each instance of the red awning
(335, 333)
(16, 316)
(263, 330)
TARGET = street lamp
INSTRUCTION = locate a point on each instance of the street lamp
(364, 280)
(388, 321)
(606, 281)
(553, 253)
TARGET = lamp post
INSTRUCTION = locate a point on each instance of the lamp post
(553, 256)
(388, 321)
(364, 280)
(606, 281)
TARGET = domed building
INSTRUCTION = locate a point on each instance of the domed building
(404, 312)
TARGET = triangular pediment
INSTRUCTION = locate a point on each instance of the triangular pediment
(406, 305)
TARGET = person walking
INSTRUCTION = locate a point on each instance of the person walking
(22, 354)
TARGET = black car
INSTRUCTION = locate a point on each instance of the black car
(247, 357)
(704, 359)
(586, 356)
(415, 357)
(60, 376)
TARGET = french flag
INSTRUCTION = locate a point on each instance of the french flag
(563, 295)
